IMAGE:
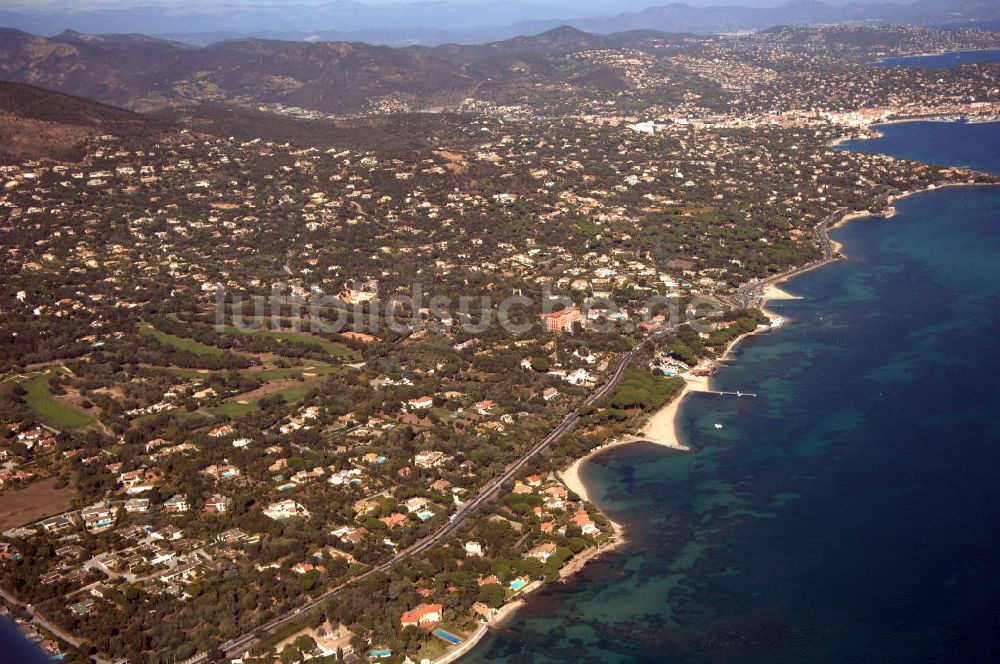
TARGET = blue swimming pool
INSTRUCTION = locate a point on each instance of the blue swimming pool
(447, 636)
(517, 584)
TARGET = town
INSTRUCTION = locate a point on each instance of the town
(246, 368)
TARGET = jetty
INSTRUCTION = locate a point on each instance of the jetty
(729, 394)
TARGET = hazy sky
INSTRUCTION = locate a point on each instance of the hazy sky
(607, 6)
(381, 21)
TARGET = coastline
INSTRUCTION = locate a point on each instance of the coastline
(661, 428)
(939, 52)
(507, 611)
(890, 211)
(940, 117)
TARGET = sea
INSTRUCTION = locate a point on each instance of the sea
(943, 60)
(850, 512)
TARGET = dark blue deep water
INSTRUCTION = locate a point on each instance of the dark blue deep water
(943, 60)
(945, 143)
(851, 512)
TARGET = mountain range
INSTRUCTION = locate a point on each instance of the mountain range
(144, 73)
(442, 21)
(336, 77)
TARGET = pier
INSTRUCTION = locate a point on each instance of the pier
(729, 394)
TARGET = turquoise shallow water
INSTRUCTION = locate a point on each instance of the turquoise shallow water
(849, 513)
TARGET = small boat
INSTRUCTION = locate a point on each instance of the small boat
(718, 426)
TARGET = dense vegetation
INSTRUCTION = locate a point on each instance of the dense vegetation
(120, 381)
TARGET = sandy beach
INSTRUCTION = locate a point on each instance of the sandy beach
(771, 293)
(660, 429)
(571, 476)
(775, 292)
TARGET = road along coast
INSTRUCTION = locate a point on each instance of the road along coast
(751, 295)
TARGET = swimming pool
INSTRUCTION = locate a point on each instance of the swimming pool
(517, 584)
(447, 636)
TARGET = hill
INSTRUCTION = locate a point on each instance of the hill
(37, 123)
(333, 77)
(560, 69)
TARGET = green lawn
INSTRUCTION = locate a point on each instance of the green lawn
(335, 349)
(178, 413)
(180, 343)
(318, 368)
(233, 408)
(57, 414)
(192, 374)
